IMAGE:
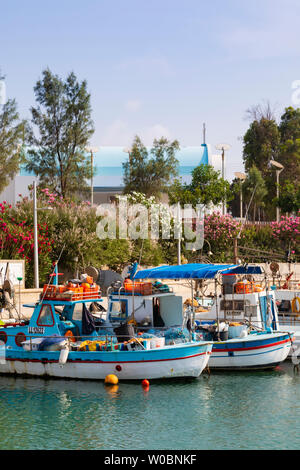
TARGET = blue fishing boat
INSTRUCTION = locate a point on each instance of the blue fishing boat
(65, 338)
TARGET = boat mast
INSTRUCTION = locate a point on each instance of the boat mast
(217, 308)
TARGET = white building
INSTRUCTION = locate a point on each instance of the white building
(108, 178)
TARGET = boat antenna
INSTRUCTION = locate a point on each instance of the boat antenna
(53, 272)
(141, 252)
(217, 308)
(247, 210)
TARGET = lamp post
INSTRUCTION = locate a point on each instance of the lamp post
(92, 151)
(127, 150)
(179, 222)
(35, 237)
(279, 168)
(223, 148)
(20, 280)
(241, 177)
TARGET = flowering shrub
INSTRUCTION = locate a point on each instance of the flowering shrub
(17, 239)
(287, 230)
(68, 228)
(219, 227)
(71, 227)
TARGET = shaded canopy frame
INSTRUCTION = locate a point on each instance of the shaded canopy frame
(196, 271)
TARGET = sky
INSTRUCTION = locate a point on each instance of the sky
(160, 67)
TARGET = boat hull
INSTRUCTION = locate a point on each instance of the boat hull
(253, 352)
(186, 360)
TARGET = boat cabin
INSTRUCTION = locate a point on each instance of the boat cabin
(255, 308)
(53, 318)
(151, 310)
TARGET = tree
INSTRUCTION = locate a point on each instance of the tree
(150, 174)
(289, 154)
(234, 205)
(261, 144)
(12, 132)
(254, 190)
(289, 199)
(261, 111)
(63, 120)
(206, 187)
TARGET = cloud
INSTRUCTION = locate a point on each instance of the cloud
(133, 105)
(2, 92)
(119, 133)
(145, 65)
(156, 131)
(271, 30)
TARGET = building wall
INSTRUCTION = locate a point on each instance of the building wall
(108, 174)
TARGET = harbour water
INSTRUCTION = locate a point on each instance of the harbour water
(247, 410)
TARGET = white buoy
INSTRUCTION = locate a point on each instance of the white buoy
(63, 357)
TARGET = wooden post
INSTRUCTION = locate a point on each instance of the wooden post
(235, 250)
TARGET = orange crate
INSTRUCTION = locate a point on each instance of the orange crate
(144, 288)
(245, 288)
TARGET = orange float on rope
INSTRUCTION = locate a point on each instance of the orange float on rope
(70, 336)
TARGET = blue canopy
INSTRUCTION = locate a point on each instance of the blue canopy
(195, 271)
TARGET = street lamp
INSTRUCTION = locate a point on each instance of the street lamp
(128, 150)
(241, 177)
(35, 237)
(279, 168)
(223, 148)
(209, 253)
(92, 150)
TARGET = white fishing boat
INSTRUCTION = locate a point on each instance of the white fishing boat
(288, 305)
(254, 339)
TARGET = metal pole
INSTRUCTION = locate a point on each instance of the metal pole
(35, 231)
(193, 308)
(241, 201)
(223, 176)
(92, 179)
(217, 309)
(179, 235)
(19, 299)
(235, 250)
(277, 193)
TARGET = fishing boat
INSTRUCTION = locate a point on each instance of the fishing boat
(288, 305)
(253, 339)
(64, 338)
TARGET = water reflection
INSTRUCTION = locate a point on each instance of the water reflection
(225, 410)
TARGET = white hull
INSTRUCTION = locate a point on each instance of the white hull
(256, 358)
(184, 367)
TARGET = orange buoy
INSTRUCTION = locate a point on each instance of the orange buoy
(111, 379)
(145, 383)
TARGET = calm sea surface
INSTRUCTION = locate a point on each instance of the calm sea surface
(257, 410)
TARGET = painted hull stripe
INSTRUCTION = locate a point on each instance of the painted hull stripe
(270, 345)
(43, 361)
(240, 356)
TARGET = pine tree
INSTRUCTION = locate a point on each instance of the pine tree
(62, 119)
(12, 132)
